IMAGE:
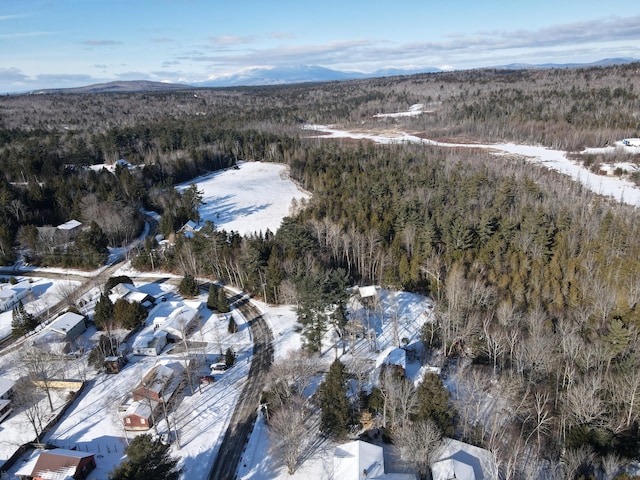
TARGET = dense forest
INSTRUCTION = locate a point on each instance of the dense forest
(536, 280)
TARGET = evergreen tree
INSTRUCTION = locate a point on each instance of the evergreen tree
(188, 286)
(333, 401)
(129, 315)
(147, 459)
(233, 326)
(212, 298)
(103, 313)
(433, 403)
(229, 358)
(223, 301)
(22, 322)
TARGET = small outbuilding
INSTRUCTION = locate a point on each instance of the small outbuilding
(114, 364)
(70, 325)
(358, 460)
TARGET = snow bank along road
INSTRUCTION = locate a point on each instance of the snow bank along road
(246, 411)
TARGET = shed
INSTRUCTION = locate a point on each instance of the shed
(69, 324)
(59, 463)
(114, 364)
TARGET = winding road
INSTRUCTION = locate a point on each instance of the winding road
(246, 411)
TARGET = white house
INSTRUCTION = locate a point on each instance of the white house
(180, 322)
(360, 460)
(6, 392)
(462, 461)
(69, 324)
(10, 295)
(150, 344)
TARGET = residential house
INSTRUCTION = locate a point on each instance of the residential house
(67, 231)
(10, 295)
(360, 460)
(160, 383)
(139, 415)
(462, 461)
(150, 344)
(59, 463)
(190, 228)
(69, 324)
(6, 393)
(181, 322)
(130, 293)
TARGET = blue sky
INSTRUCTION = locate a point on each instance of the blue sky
(62, 43)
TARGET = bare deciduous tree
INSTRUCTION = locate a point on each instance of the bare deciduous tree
(287, 432)
(418, 443)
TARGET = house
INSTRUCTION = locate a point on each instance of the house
(395, 358)
(59, 463)
(114, 364)
(68, 230)
(360, 460)
(180, 323)
(6, 393)
(139, 415)
(69, 324)
(160, 383)
(130, 293)
(150, 344)
(462, 461)
(11, 295)
(190, 228)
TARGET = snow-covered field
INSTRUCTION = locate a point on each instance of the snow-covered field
(253, 198)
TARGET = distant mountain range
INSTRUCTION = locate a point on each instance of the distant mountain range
(297, 74)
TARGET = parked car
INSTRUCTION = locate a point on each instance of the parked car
(219, 367)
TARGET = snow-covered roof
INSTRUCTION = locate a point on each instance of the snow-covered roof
(179, 320)
(368, 291)
(392, 356)
(350, 460)
(57, 464)
(70, 225)
(5, 386)
(149, 340)
(460, 460)
(140, 409)
(66, 322)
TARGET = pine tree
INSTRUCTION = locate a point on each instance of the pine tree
(333, 401)
(103, 313)
(223, 301)
(212, 299)
(433, 403)
(188, 286)
(22, 322)
(147, 459)
(233, 326)
(229, 358)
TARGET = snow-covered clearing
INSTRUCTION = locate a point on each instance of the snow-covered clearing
(253, 198)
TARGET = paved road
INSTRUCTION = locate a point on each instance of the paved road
(245, 413)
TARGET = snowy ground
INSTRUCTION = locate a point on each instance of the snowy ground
(46, 292)
(255, 197)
